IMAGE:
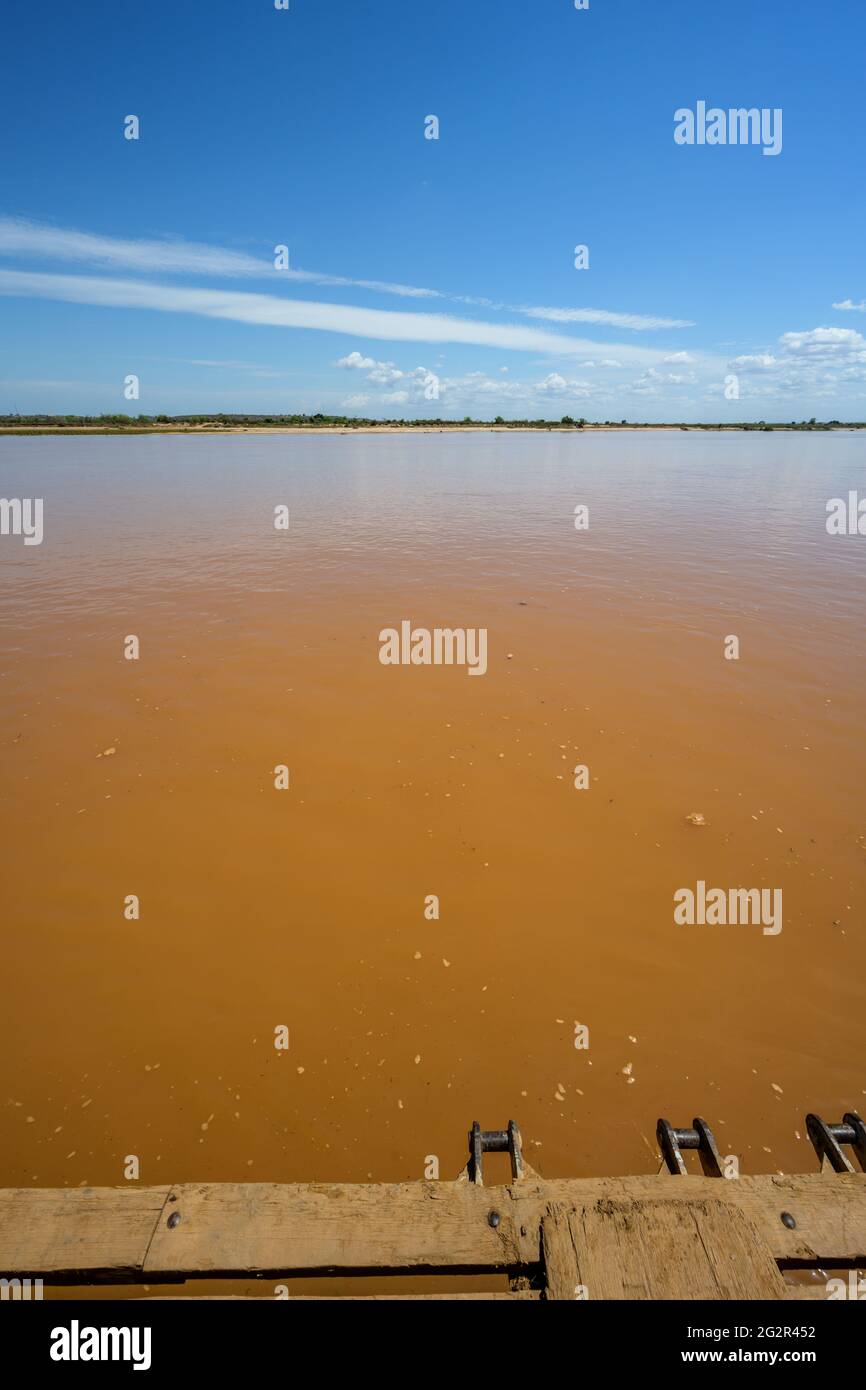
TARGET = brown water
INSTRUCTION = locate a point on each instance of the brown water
(306, 907)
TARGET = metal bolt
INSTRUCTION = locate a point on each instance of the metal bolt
(788, 1220)
(493, 1219)
(173, 1220)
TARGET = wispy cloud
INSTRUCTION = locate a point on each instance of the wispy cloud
(605, 316)
(173, 256)
(851, 307)
(19, 237)
(276, 311)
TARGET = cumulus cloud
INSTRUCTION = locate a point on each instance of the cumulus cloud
(476, 393)
(556, 385)
(849, 306)
(422, 382)
(815, 363)
(356, 361)
(383, 373)
(826, 342)
(553, 383)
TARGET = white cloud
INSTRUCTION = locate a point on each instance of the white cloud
(825, 342)
(606, 316)
(386, 374)
(480, 395)
(173, 255)
(814, 364)
(19, 237)
(753, 362)
(276, 311)
(356, 361)
(169, 257)
(383, 373)
(848, 304)
(554, 383)
(652, 382)
(674, 378)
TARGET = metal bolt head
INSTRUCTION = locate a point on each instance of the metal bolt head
(173, 1220)
(493, 1219)
(788, 1220)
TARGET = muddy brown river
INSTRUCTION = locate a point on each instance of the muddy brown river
(431, 913)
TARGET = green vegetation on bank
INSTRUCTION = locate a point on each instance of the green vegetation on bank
(146, 424)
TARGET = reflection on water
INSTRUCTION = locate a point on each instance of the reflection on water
(305, 908)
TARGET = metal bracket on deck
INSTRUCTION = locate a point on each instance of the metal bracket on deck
(492, 1141)
(828, 1140)
(700, 1137)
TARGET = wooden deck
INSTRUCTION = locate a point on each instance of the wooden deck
(654, 1237)
(633, 1238)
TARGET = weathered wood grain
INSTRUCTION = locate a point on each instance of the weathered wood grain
(655, 1249)
(263, 1228)
(829, 1212)
(76, 1233)
(231, 1230)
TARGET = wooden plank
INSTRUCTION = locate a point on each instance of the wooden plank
(656, 1249)
(830, 1213)
(559, 1251)
(71, 1234)
(284, 1229)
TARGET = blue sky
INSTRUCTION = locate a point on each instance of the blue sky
(432, 277)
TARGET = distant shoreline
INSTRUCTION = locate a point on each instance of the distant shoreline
(209, 428)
